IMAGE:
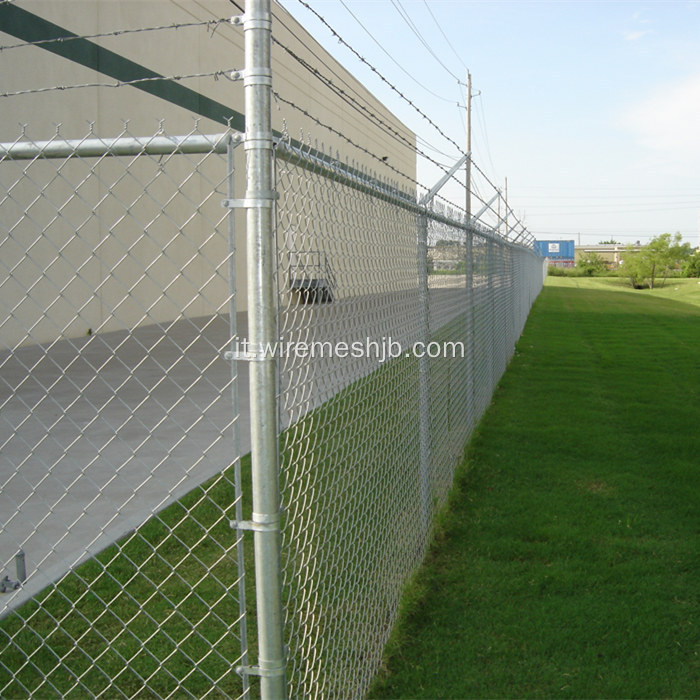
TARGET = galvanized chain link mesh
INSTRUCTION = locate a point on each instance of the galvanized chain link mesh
(119, 475)
(121, 439)
(370, 441)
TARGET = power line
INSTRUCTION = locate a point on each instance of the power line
(401, 68)
(482, 123)
(445, 36)
(597, 212)
(570, 197)
(406, 18)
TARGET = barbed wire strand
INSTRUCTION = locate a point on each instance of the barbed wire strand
(345, 138)
(422, 141)
(363, 109)
(117, 32)
(459, 148)
(379, 159)
(122, 83)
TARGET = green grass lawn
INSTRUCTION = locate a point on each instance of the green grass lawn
(567, 564)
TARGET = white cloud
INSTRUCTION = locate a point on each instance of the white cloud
(637, 32)
(668, 120)
(637, 17)
(634, 36)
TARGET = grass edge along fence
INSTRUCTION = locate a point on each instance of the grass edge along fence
(565, 564)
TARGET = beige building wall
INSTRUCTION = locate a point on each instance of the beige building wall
(612, 254)
(147, 254)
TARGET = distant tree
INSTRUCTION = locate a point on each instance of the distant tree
(656, 259)
(692, 265)
(634, 268)
(591, 263)
(612, 241)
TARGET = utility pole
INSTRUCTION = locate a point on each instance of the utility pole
(469, 260)
(469, 147)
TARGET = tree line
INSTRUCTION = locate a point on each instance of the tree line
(664, 255)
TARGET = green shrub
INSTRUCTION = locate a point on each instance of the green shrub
(692, 265)
(564, 271)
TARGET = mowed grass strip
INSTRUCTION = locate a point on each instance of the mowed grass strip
(567, 562)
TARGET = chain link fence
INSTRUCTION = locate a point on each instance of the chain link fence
(131, 398)
(123, 428)
(120, 431)
(385, 367)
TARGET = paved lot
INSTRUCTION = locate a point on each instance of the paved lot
(99, 433)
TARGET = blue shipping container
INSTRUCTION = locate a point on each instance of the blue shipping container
(555, 250)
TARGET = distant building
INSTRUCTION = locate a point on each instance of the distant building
(558, 253)
(611, 253)
(446, 256)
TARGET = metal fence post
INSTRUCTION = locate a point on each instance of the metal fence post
(471, 368)
(261, 264)
(424, 374)
(233, 325)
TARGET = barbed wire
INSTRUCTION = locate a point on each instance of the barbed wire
(122, 83)
(486, 177)
(117, 32)
(370, 115)
(405, 176)
(460, 149)
(345, 138)
(329, 68)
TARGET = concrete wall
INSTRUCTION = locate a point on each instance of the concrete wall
(83, 270)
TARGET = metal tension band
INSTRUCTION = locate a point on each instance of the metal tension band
(260, 523)
(272, 672)
(261, 199)
(252, 355)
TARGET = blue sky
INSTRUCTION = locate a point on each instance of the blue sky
(591, 110)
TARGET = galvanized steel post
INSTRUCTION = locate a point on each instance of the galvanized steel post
(424, 375)
(261, 264)
(469, 283)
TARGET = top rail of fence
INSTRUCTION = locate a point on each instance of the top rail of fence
(362, 181)
(120, 146)
(289, 151)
